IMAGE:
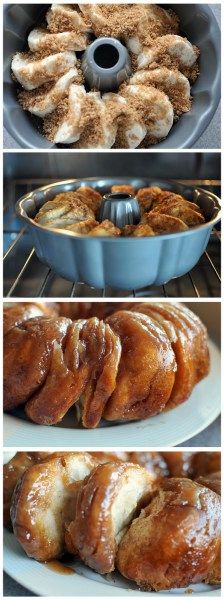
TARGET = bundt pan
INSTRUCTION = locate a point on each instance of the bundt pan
(198, 23)
(125, 263)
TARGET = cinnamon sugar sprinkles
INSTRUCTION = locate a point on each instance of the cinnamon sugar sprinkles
(142, 111)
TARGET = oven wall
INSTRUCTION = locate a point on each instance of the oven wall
(62, 165)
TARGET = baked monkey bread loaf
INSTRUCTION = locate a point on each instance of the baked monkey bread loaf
(132, 364)
(110, 512)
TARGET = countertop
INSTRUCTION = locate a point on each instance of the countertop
(211, 138)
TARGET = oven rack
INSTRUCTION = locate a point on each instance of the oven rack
(25, 276)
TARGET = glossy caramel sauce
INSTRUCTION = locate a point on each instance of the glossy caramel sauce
(59, 567)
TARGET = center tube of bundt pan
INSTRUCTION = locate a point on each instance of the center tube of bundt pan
(106, 64)
(122, 209)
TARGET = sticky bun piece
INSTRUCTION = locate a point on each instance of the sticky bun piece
(104, 457)
(175, 540)
(12, 472)
(16, 313)
(205, 463)
(88, 365)
(106, 504)
(188, 338)
(85, 310)
(138, 230)
(82, 227)
(146, 371)
(147, 197)
(124, 189)
(212, 481)
(26, 362)
(179, 463)
(153, 462)
(181, 210)
(90, 197)
(163, 223)
(174, 201)
(105, 228)
(43, 503)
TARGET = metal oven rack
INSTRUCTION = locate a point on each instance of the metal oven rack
(25, 276)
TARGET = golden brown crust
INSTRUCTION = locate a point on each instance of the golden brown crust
(175, 540)
(106, 503)
(41, 504)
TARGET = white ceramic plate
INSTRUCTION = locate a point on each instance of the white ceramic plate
(167, 429)
(41, 580)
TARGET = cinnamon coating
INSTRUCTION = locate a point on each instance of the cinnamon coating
(175, 540)
(106, 503)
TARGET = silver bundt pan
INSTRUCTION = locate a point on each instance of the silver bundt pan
(198, 23)
(124, 263)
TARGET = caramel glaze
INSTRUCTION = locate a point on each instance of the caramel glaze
(131, 366)
(58, 566)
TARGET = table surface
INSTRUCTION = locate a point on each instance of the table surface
(211, 138)
(211, 435)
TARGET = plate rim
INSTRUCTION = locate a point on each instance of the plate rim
(87, 589)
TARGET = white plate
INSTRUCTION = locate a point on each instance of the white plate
(41, 580)
(167, 429)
